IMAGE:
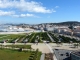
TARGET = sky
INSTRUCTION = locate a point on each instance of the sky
(39, 11)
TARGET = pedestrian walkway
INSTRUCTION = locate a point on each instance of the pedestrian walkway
(42, 57)
(54, 57)
(50, 37)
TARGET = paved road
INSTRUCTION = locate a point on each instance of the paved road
(50, 37)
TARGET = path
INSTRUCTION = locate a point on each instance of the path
(50, 37)
(54, 57)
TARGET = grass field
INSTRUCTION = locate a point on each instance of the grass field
(13, 55)
(10, 37)
(31, 38)
(20, 46)
(41, 36)
(6, 54)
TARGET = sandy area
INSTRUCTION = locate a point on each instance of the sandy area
(42, 47)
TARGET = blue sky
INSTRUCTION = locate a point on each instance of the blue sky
(39, 11)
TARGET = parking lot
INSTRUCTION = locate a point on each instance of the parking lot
(62, 54)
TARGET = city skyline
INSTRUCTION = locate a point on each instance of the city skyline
(39, 11)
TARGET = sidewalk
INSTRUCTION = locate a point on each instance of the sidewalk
(42, 57)
(50, 37)
(54, 57)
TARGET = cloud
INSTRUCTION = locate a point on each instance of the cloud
(56, 6)
(23, 5)
(13, 14)
(6, 13)
(25, 15)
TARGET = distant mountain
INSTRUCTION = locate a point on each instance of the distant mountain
(68, 23)
(16, 24)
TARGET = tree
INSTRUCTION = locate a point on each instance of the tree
(59, 42)
(76, 45)
(72, 29)
(20, 49)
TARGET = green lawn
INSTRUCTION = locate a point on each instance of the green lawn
(10, 37)
(13, 55)
(6, 54)
(2, 35)
(20, 46)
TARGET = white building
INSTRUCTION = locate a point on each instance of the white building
(10, 28)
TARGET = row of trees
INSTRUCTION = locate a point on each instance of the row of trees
(34, 55)
(55, 38)
(45, 37)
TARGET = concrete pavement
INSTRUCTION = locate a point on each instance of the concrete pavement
(50, 37)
